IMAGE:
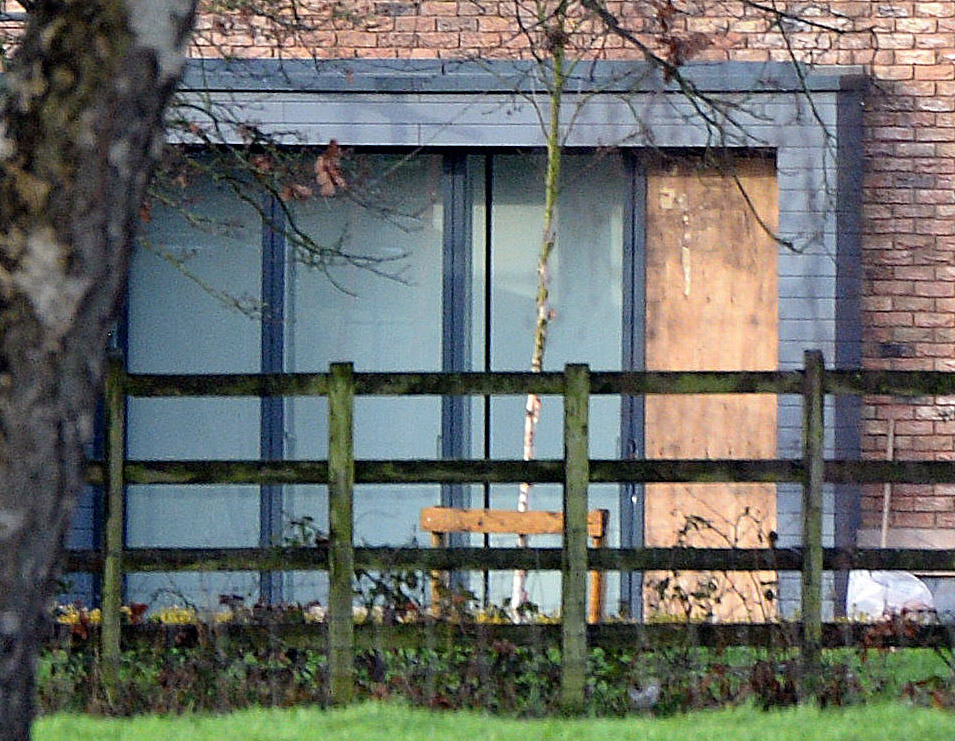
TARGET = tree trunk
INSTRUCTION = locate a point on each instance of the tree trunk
(542, 307)
(80, 125)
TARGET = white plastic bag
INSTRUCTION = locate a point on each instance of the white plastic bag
(875, 594)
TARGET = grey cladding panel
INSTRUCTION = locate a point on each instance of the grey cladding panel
(435, 75)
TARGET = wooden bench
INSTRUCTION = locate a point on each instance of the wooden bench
(441, 521)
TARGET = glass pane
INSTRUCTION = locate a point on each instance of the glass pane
(194, 285)
(194, 280)
(585, 281)
(194, 308)
(585, 268)
(382, 310)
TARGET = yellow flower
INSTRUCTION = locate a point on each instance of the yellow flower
(176, 615)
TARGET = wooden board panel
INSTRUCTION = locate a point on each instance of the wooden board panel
(711, 305)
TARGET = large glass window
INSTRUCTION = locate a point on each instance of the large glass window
(372, 275)
(586, 299)
(194, 308)
(382, 311)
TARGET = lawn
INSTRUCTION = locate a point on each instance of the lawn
(395, 722)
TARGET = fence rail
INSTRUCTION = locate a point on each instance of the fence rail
(575, 471)
(507, 559)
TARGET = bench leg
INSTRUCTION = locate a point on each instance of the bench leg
(437, 577)
(596, 600)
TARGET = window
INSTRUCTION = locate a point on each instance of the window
(434, 266)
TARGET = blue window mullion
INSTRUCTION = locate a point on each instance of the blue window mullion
(272, 414)
(633, 358)
(456, 319)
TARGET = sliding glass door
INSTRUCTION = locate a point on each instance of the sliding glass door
(586, 301)
(428, 261)
(194, 308)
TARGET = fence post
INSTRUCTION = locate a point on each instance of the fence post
(574, 554)
(341, 484)
(814, 461)
(115, 514)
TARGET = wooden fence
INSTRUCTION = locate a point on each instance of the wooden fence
(575, 471)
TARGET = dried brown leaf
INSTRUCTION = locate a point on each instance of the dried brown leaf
(328, 171)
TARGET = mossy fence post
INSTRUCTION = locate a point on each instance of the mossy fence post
(115, 515)
(574, 556)
(341, 486)
(813, 458)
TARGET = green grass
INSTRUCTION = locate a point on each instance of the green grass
(392, 722)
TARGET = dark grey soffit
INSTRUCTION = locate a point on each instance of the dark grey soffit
(448, 76)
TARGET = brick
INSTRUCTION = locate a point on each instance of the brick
(912, 303)
(915, 149)
(917, 25)
(918, 333)
(880, 303)
(944, 88)
(935, 226)
(935, 443)
(921, 88)
(894, 10)
(480, 40)
(418, 54)
(415, 23)
(891, 319)
(438, 40)
(935, 350)
(918, 211)
(893, 287)
(933, 41)
(440, 7)
(912, 519)
(922, 504)
(397, 40)
(893, 133)
(456, 24)
(943, 290)
(914, 427)
(935, 104)
(914, 56)
(751, 55)
(934, 320)
(897, 41)
(938, 10)
(936, 72)
(495, 24)
(915, 272)
(356, 39)
(381, 53)
(892, 71)
(468, 7)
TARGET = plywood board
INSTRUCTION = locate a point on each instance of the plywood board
(711, 304)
